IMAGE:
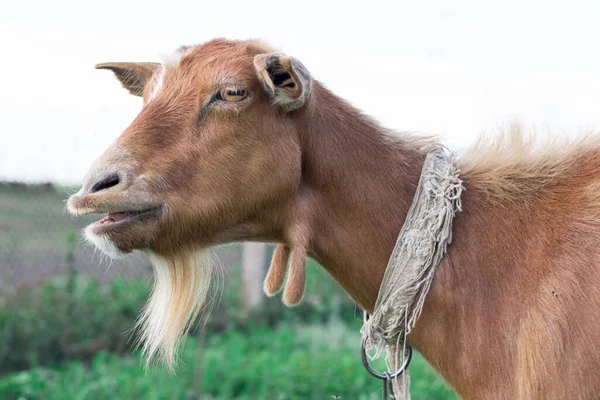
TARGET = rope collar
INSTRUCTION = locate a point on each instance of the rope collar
(419, 249)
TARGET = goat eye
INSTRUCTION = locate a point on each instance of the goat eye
(233, 94)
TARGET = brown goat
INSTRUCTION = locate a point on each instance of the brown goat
(235, 142)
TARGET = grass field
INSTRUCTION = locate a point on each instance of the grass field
(65, 338)
(307, 362)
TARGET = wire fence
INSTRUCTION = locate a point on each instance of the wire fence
(39, 240)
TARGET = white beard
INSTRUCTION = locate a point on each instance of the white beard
(103, 242)
(181, 285)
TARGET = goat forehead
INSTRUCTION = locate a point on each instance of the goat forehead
(217, 50)
(220, 50)
(214, 47)
(217, 57)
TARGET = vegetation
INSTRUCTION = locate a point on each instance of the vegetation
(68, 339)
(306, 362)
(65, 319)
(75, 317)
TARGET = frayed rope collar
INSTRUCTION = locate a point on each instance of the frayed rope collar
(420, 247)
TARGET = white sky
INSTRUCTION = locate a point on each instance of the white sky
(450, 68)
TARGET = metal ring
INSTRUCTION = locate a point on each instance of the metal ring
(385, 375)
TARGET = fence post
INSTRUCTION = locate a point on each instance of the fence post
(253, 273)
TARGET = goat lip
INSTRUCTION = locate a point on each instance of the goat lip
(118, 218)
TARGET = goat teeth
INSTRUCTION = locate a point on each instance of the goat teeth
(105, 220)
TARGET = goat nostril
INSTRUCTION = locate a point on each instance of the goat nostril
(105, 183)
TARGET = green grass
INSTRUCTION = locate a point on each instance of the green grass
(69, 337)
(292, 362)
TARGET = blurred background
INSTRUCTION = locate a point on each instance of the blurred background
(455, 69)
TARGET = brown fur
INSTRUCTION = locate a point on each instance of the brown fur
(514, 310)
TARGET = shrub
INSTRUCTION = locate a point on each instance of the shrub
(75, 317)
(291, 362)
(79, 328)
(69, 318)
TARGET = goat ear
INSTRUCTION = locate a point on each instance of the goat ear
(285, 79)
(133, 76)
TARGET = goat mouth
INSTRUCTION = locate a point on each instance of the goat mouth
(119, 218)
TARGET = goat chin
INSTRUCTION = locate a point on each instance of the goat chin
(103, 243)
(181, 285)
